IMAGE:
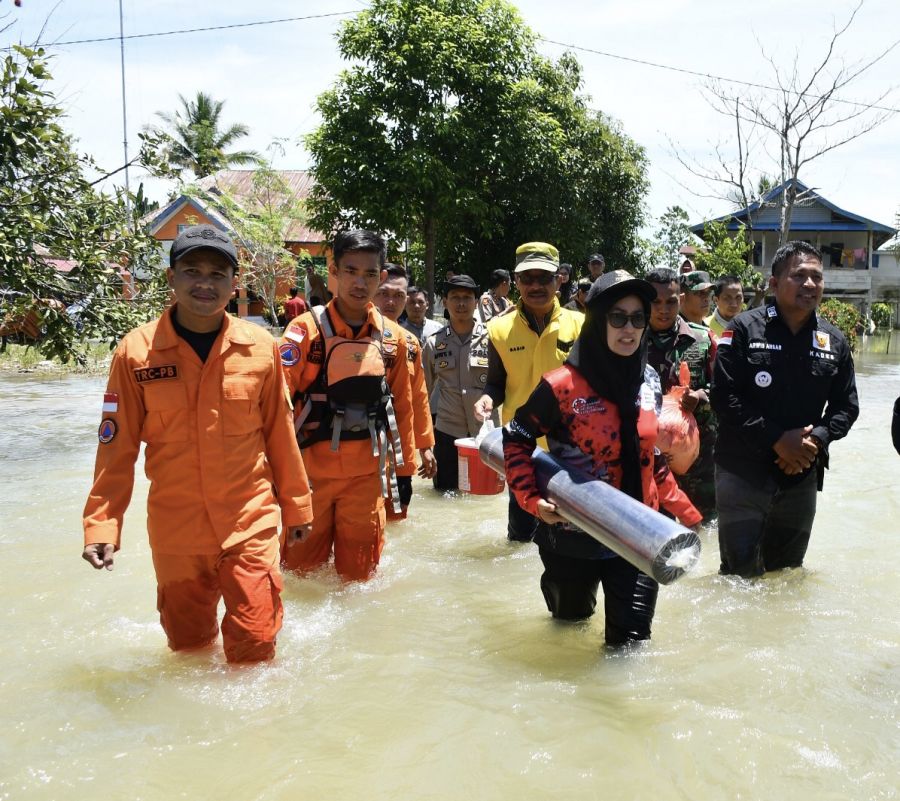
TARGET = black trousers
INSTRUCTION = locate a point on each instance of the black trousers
(447, 477)
(521, 525)
(761, 525)
(629, 596)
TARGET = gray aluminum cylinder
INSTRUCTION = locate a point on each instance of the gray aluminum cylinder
(656, 545)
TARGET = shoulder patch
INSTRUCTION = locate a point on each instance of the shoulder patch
(107, 431)
(725, 339)
(296, 333)
(290, 353)
(316, 351)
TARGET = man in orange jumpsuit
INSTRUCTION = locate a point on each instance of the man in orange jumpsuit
(205, 392)
(391, 300)
(346, 370)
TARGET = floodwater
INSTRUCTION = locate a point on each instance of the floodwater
(444, 678)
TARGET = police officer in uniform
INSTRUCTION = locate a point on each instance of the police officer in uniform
(456, 364)
(784, 389)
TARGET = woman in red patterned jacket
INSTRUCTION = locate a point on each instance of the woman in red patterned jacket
(598, 412)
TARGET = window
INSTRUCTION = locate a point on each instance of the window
(835, 250)
(757, 254)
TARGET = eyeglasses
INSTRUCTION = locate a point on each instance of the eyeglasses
(618, 319)
(543, 278)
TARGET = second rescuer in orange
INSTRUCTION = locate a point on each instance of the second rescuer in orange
(346, 369)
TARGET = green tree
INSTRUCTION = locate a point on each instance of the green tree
(843, 315)
(882, 314)
(673, 234)
(726, 255)
(452, 134)
(49, 210)
(261, 221)
(194, 140)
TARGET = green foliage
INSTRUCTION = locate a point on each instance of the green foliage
(48, 210)
(450, 132)
(194, 141)
(27, 359)
(261, 221)
(882, 314)
(673, 234)
(843, 315)
(724, 254)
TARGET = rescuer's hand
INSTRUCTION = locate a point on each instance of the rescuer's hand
(796, 450)
(99, 555)
(427, 463)
(546, 511)
(297, 534)
(484, 407)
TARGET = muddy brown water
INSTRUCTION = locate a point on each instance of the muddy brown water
(443, 678)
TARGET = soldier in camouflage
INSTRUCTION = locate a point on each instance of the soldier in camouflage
(673, 341)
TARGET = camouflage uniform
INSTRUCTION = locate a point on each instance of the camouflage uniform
(694, 345)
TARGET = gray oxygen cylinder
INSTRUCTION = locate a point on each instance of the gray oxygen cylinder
(656, 545)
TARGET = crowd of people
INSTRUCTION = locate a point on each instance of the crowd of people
(268, 455)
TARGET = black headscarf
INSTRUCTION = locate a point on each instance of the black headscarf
(616, 378)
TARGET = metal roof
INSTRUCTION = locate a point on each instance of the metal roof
(852, 222)
(239, 184)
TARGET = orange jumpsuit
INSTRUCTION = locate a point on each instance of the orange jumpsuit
(225, 471)
(423, 431)
(348, 507)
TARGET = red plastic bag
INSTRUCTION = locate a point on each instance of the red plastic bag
(679, 437)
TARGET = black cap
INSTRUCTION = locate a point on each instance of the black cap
(203, 236)
(460, 282)
(624, 283)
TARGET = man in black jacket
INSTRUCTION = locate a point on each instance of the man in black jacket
(783, 389)
(895, 426)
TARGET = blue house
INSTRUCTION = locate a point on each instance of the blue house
(848, 242)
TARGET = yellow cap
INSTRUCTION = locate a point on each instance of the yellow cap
(537, 256)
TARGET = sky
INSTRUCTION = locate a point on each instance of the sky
(269, 76)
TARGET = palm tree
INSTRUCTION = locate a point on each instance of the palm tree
(195, 140)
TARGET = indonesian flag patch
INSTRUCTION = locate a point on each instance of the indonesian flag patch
(725, 339)
(110, 402)
(297, 333)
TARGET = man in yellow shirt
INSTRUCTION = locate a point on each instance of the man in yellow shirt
(529, 340)
(729, 296)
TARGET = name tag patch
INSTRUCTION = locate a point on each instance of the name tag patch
(144, 374)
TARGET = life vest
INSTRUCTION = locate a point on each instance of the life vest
(350, 399)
